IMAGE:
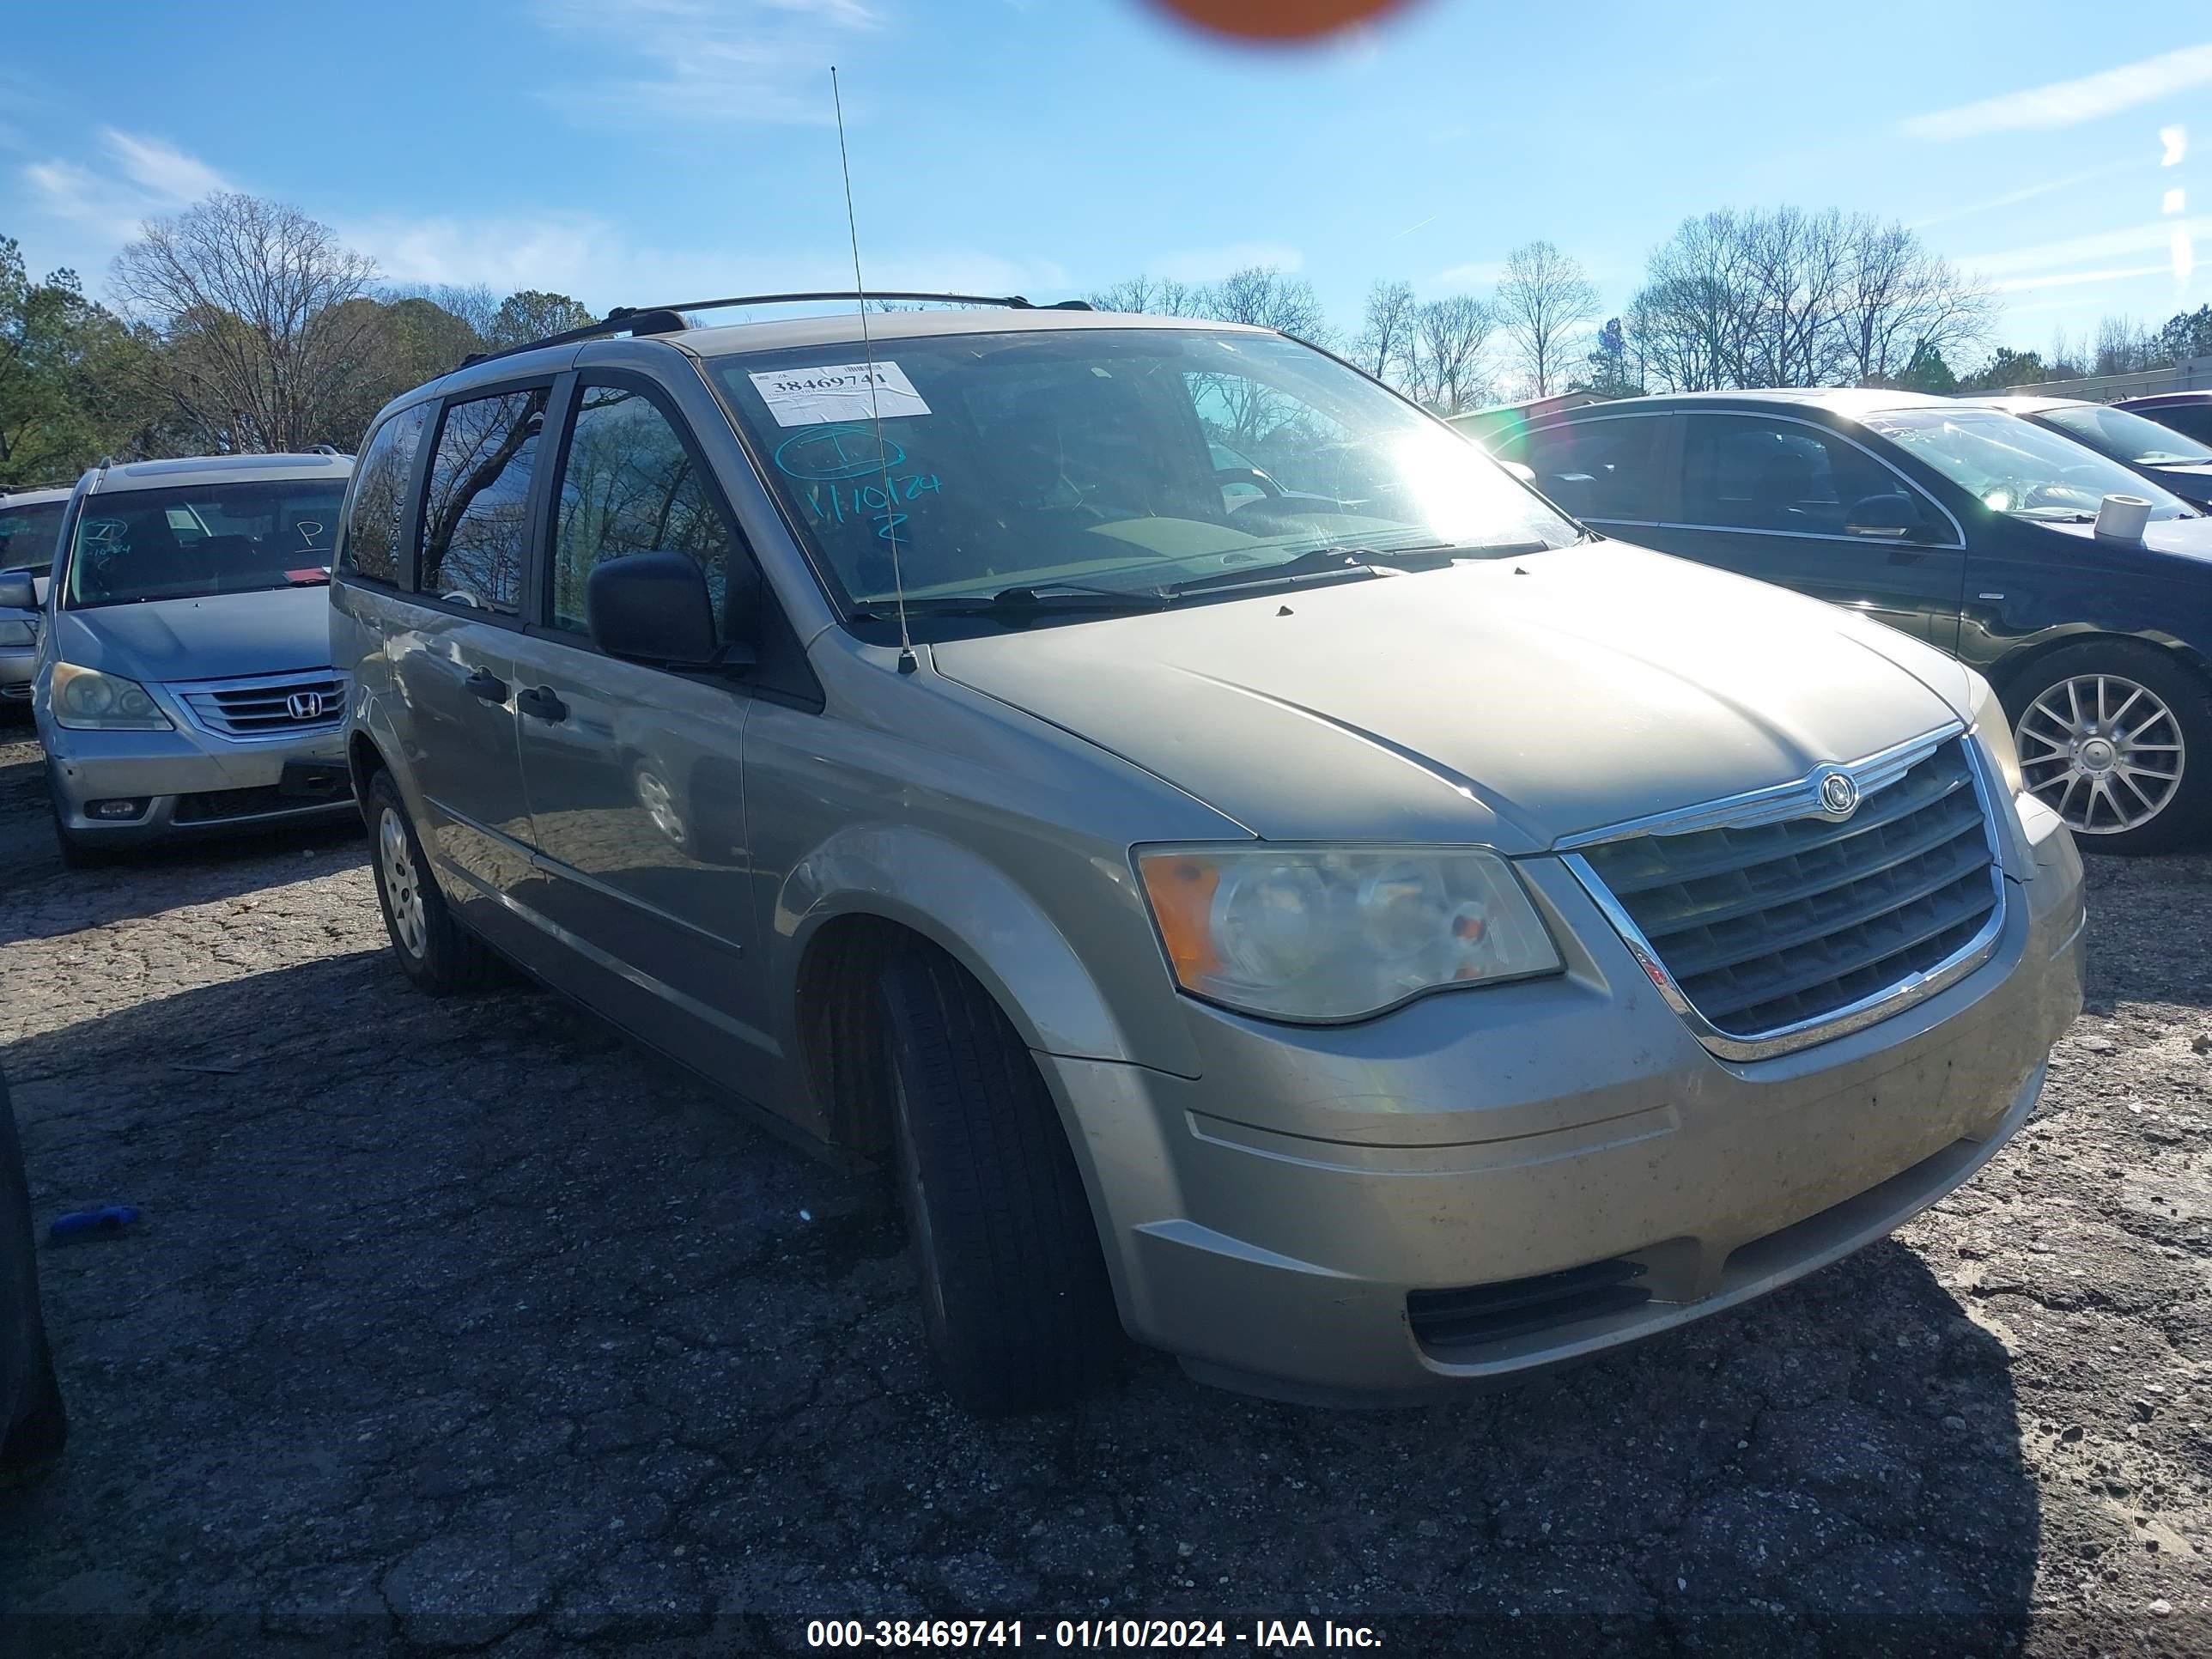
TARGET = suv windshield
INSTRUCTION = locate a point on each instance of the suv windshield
(197, 540)
(1129, 460)
(27, 535)
(2018, 467)
(2127, 438)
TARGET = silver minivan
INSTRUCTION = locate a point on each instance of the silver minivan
(1362, 934)
(183, 683)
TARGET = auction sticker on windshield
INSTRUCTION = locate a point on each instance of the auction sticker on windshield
(838, 391)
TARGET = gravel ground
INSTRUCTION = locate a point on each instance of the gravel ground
(462, 1324)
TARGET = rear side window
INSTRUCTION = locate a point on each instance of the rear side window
(1606, 468)
(2191, 420)
(476, 509)
(631, 485)
(371, 549)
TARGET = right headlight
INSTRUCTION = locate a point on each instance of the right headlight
(1328, 933)
(86, 700)
(1993, 728)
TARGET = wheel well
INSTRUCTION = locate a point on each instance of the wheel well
(2013, 673)
(839, 1025)
(364, 760)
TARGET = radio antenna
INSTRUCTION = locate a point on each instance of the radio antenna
(906, 662)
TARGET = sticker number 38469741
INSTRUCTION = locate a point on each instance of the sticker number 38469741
(838, 391)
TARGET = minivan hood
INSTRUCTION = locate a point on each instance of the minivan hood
(1507, 702)
(230, 635)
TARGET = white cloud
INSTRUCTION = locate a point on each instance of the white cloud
(1208, 264)
(705, 62)
(2154, 236)
(594, 259)
(2078, 278)
(2068, 103)
(2025, 194)
(135, 178)
(1480, 273)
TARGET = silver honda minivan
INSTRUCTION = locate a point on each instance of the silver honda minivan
(183, 683)
(1360, 934)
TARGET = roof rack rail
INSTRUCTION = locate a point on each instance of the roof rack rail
(635, 320)
(322, 449)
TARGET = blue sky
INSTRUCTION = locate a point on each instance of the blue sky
(629, 151)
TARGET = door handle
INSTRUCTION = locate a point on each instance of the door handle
(487, 685)
(539, 703)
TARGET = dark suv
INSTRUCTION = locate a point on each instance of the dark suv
(1965, 526)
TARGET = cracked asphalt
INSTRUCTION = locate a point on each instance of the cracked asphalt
(465, 1325)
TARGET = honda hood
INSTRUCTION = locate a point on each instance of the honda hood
(1507, 702)
(224, 637)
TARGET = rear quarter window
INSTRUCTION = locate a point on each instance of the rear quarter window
(372, 532)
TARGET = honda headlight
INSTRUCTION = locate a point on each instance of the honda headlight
(18, 630)
(1993, 727)
(1337, 933)
(86, 700)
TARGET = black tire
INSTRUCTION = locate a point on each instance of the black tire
(435, 950)
(2186, 814)
(1016, 1301)
(33, 1426)
(76, 853)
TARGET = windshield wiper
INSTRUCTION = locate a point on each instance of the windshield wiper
(1039, 600)
(1338, 561)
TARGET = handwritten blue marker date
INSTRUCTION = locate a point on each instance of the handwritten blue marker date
(833, 503)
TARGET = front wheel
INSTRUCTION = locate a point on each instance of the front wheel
(434, 949)
(1015, 1298)
(2117, 739)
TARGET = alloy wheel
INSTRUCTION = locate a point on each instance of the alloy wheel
(2102, 751)
(402, 884)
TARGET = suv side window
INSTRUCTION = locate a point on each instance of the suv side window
(476, 509)
(630, 484)
(1747, 472)
(1600, 469)
(371, 547)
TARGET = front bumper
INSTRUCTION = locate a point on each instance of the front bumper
(1269, 1220)
(192, 783)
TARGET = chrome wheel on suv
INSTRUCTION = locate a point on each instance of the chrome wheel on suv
(402, 886)
(2106, 735)
(437, 951)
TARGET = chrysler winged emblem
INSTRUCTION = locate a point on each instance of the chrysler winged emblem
(1839, 794)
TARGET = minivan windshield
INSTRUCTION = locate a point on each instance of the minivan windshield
(1132, 460)
(2015, 466)
(2128, 439)
(27, 533)
(194, 540)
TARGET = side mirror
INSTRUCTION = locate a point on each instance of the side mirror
(1892, 518)
(18, 591)
(653, 607)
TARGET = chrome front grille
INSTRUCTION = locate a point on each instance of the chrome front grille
(1772, 931)
(269, 706)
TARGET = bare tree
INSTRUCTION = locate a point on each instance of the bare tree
(1899, 302)
(1445, 358)
(1788, 298)
(1150, 296)
(1386, 333)
(250, 301)
(1543, 301)
(2123, 346)
(1263, 296)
